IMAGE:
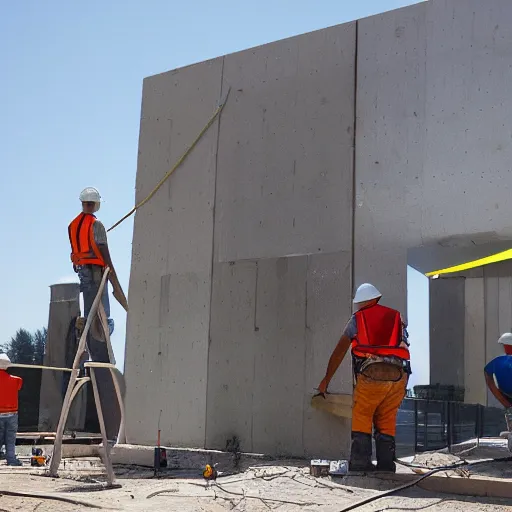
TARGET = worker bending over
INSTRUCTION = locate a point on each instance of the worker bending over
(9, 388)
(498, 376)
(380, 353)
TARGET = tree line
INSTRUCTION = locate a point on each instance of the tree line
(26, 347)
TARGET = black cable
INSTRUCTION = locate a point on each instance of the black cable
(418, 480)
(48, 497)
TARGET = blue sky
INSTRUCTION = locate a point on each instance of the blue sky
(71, 88)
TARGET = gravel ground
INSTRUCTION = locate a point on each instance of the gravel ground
(283, 488)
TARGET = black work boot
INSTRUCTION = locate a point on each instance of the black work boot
(361, 453)
(385, 448)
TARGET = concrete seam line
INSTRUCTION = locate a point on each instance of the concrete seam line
(354, 164)
(212, 259)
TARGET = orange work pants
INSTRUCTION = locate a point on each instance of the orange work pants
(377, 403)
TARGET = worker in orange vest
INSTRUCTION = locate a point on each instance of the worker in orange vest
(89, 251)
(90, 256)
(380, 354)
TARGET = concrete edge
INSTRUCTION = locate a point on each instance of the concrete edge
(472, 486)
(189, 458)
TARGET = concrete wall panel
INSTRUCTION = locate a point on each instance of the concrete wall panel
(284, 183)
(474, 342)
(170, 278)
(328, 309)
(389, 148)
(468, 136)
(447, 321)
(280, 356)
(232, 351)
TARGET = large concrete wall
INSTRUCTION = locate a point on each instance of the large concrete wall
(245, 362)
(337, 152)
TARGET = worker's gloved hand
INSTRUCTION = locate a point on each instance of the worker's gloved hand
(322, 387)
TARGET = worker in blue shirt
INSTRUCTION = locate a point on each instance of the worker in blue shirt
(498, 376)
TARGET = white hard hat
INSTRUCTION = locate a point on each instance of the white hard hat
(4, 361)
(366, 292)
(90, 194)
(506, 339)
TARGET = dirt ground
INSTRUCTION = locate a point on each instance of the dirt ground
(280, 487)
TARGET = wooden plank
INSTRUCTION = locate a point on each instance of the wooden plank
(334, 403)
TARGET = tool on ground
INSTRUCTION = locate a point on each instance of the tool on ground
(319, 467)
(37, 459)
(217, 112)
(160, 455)
(210, 474)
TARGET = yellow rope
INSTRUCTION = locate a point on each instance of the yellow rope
(178, 163)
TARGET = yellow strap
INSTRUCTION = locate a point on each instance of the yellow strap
(494, 258)
(178, 163)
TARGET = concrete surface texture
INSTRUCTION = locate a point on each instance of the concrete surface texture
(338, 151)
(468, 313)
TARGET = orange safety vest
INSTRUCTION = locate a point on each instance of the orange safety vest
(379, 333)
(84, 250)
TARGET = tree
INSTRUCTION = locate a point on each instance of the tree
(25, 347)
(39, 345)
(21, 347)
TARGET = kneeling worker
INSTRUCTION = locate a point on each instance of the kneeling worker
(380, 353)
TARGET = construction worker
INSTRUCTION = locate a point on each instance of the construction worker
(498, 376)
(380, 353)
(90, 253)
(90, 256)
(9, 388)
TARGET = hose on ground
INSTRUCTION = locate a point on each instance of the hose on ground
(362, 502)
(53, 497)
(384, 494)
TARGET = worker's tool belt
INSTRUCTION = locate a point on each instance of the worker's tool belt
(387, 369)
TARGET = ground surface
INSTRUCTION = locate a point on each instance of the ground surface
(283, 488)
